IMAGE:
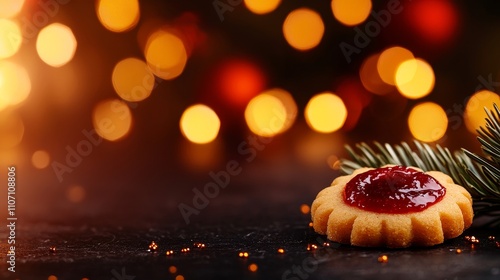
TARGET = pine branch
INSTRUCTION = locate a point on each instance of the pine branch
(479, 174)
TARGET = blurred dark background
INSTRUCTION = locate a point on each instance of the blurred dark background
(147, 173)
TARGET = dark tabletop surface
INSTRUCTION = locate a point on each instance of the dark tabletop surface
(121, 252)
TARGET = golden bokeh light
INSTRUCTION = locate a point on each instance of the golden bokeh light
(389, 61)
(165, 54)
(11, 129)
(415, 78)
(112, 119)
(15, 84)
(428, 122)
(261, 7)
(75, 193)
(303, 29)
(370, 77)
(474, 114)
(290, 106)
(351, 12)
(200, 124)
(266, 115)
(132, 79)
(10, 8)
(56, 44)
(40, 159)
(118, 16)
(10, 38)
(325, 112)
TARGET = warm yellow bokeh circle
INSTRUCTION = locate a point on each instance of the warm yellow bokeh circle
(475, 114)
(428, 122)
(261, 7)
(303, 29)
(112, 119)
(118, 16)
(415, 78)
(266, 115)
(200, 124)
(351, 12)
(325, 112)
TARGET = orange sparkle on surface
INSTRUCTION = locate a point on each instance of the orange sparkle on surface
(472, 240)
(459, 251)
(153, 246)
(199, 245)
(170, 252)
(253, 267)
(185, 250)
(243, 254)
(312, 247)
(281, 250)
(383, 259)
(305, 209)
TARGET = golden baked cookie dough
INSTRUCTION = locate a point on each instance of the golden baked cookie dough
(348, 224)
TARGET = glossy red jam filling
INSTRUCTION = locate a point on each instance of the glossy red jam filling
(395, 189)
